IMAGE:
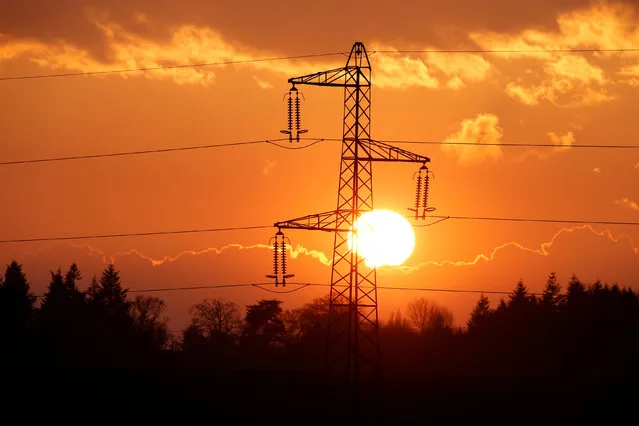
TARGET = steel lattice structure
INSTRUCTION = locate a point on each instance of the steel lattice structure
(353, 331)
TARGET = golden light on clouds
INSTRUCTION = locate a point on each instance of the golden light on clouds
(483, 129)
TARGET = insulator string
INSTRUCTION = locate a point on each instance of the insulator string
(275, 260)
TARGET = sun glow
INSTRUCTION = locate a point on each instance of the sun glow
(382, 237)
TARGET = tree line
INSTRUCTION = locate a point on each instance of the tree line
(585, 330)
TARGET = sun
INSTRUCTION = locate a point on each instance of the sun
(383, 237)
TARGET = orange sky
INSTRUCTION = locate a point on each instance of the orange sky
(549, 98)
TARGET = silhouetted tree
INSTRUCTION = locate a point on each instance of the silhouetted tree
(263, 323)
(16, 307)
(107, 294)
(520, 298)
(216, 319)
(426, 315)
(111, 322)
(480, 315)
(210, 340)
(552, 299)
(149, 322)
(397, 322)
(576, 291)
(62, 319)
(62, 294)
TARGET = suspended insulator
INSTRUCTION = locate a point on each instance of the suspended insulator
(419, 197)
(290, 113)
(283, 257)
(298, 117)
(290, 119)
(275, 262)
(289, 101)
(418, 193)
(425, 208)
(279, 259)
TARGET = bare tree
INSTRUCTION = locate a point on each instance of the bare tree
(215, 317)
(426, 315)
(148, 317)
(147, 312)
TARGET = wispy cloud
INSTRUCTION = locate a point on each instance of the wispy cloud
(544, 249)
(268, 168)
(295, 253)
(625, 202)
(262, 84)
(564, 143)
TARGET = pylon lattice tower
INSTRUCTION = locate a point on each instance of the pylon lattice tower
(353, 329)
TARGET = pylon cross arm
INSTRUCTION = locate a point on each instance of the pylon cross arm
(339, 77)
(372, 150)
(328, 221)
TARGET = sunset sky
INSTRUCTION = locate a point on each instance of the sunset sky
(540, 98)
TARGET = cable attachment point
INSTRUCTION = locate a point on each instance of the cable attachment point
(279, 242)
(294, 129)
(421, 193)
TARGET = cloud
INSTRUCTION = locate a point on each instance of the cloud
(295, 252)
(430, 70)
(599, 26)
(402, 71)
(188, 44)
(565, 141)
(625, 202)
(558, 91)
(464, 68)
(268, 167)
(577, 68)
(544, 249)
(191, 44)
(596, 170)
(637, 166)
(140, 18)
(483, 129)
(570, 79)
(262, 84)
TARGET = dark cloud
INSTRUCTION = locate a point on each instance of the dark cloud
(285, 26)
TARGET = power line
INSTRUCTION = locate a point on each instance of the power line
(138, 234)
(318, 55)
(531, 220)
(166, 67)
(153, 151)
(315, 141)
(504, 144)
(512, 144)
(201, 287)
(244, 228)
(275, 142)
(303, 285)
(518, 51)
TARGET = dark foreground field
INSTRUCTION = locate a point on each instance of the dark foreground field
(259, 397)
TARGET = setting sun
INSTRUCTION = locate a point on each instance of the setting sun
(383, 238)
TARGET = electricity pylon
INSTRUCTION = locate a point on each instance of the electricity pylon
(353, 329)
